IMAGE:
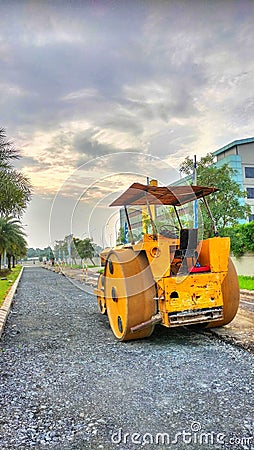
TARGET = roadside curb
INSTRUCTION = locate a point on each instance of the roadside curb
(5, 308)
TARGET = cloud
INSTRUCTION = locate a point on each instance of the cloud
(113, 82)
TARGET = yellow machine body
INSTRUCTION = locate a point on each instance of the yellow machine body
(154, 281)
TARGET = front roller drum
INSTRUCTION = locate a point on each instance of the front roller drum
(231, 297)
(129, 292)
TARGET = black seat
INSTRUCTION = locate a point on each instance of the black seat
(188, 246)
(188, 241)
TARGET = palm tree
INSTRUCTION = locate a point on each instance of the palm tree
(15, 249)
(15, 193)
(15, 188)
(12, 239)
(7, 151)
(3, 239)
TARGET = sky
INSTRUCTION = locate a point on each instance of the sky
(97, 95)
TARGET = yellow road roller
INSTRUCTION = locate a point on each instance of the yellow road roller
(170, 276)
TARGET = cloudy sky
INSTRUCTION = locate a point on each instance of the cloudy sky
(99, 94)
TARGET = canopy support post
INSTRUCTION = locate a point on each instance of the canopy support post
(129, 225)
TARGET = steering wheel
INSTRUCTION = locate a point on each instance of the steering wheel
(169, 231)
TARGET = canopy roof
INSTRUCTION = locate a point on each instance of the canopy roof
(140, 194)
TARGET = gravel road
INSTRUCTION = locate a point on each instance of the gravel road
(66, 383)
(247, 303)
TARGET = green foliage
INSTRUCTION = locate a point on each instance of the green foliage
(225, 204)
(166, 218)
(241, 238)
(236, 241)
(65, 249)
(15, 193)
(120, 237)
(248, 236)
(12, 239)
(5, 285)
(246, 282)
(146, 220)
(85, 248)
(8, 152)
(46, 252)
(15, 188)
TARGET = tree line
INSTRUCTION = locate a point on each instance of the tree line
(67, 250)
(71, 248)
(15, 194)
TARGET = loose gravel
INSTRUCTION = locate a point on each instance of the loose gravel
(66, 383)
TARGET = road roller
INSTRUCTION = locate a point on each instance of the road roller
(170, 275)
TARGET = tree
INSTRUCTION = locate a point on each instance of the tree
(16, 248)
(85, 248)
(8, 151)
(15, 188)
(65, 249)
(225, 205)
(31, 253)
(121, 236)
(137, 236)
(12, 239)
(61, 250)
(46, 252)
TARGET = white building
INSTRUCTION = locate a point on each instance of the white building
(240, 156)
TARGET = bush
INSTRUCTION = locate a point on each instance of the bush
(248, 236)
(241, 237)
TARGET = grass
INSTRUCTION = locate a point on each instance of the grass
(5, 285)
(246, 282)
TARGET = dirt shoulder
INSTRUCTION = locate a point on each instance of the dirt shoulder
(241, 330)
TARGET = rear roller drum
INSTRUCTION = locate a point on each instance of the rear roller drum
(129, 293)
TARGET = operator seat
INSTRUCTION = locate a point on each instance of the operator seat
(187, 247)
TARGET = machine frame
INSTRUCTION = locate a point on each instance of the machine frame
(166, 278)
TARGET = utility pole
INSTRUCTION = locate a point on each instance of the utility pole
(195, 204)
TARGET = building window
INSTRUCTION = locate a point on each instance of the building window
(251, 217)
(249, 172)
(250, 192)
